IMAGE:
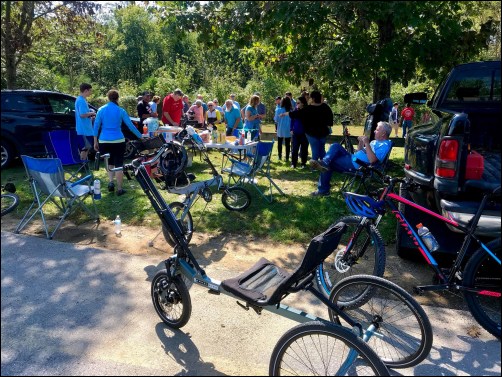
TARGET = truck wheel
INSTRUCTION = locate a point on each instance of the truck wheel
(7, 152)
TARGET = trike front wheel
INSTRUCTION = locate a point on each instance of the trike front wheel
(171, 299)
(236, 198)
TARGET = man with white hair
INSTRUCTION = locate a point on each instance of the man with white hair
(232, 118)
(339, 160)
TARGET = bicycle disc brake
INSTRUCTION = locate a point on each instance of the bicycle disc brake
(340, 264)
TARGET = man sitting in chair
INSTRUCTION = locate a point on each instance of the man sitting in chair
(339, 160)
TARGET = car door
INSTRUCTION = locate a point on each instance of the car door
(62, 111)
(24, 119)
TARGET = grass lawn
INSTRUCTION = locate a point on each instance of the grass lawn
(296, 217)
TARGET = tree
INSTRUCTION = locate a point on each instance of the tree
(347, 44)
(25, 23)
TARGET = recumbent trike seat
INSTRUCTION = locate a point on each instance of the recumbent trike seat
(267, 284)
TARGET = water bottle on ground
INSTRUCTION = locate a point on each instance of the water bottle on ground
(97, 189)
(427, 237)
(118, 225)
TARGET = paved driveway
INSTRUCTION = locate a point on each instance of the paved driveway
(75, 310)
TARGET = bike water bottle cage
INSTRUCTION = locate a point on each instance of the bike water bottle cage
(363, 205)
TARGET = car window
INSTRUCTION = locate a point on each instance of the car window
(24, 102)
(475, 86)
(61, 104)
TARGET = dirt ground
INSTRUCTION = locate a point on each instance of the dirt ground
(230, 251)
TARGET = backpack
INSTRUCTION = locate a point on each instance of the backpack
(378, 112)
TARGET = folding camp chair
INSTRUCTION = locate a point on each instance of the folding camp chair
(66, 145)
(241, 172)
(48, 184)
(354, 180)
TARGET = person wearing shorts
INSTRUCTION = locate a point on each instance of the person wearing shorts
(108, 137)
(83, 120)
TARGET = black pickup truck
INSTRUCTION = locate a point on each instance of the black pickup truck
(456, 137)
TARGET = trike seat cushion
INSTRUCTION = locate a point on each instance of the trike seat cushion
(267, 284)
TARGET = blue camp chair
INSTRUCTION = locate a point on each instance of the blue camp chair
(66, 145)
(48, 184)
(241, 172)
(354, 180)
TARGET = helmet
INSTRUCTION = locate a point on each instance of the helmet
(173, 161)
(364, 205)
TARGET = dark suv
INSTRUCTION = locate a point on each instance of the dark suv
(27, 114)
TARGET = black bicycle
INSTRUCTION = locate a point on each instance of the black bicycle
(479, 281)
(10, 200)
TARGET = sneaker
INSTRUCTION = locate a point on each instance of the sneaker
(111, 187)
(318, 165)
(121, 192)
(317, 193)
(293, 167)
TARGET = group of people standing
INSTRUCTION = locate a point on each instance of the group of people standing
(304, 124)
(300, 123)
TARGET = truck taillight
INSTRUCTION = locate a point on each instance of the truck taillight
(446, 161)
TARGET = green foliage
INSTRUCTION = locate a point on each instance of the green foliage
(170, 78)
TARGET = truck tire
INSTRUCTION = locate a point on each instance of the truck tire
(8, 154)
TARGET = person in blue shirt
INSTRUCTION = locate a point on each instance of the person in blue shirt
(236, 104)
(283, 127)
(232, 118)
(338, 159)
(108, 137)
(83, 119)
(252, 118)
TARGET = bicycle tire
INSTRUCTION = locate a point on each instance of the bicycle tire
(372, 262)
(236, 198)
(10, 201)
(186, 224)
(171, 299)
(404, 334)
(319, 348)
(482, 271)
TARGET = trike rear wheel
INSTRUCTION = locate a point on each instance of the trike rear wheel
(236, 198)
(171, 299)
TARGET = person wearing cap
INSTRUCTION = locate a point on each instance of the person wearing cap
(236, 104)
(172, 108)
(144, 108)
(213, 116)
(394, 118)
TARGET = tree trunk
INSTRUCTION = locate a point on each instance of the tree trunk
(381, 83)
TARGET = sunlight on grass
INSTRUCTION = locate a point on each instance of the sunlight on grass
(296, 217)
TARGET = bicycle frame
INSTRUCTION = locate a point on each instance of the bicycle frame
(447, 282)
(454, 274)
(184, 263)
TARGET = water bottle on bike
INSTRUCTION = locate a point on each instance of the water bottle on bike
(427, 237)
